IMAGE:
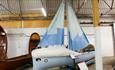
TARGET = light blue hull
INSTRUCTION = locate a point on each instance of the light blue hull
(45, 63)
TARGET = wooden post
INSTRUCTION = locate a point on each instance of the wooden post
(95, 7)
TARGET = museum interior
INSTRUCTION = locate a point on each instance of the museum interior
(57, 34)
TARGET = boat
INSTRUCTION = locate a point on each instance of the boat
(53, 52)
(34, 41)
(57, 56)
(15, 62)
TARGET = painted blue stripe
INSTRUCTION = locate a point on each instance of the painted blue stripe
(78, 43)
(84, 35)
(77, 38)
(53, 39)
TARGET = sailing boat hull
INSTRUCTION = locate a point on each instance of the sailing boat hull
(49, 62)
(15, 62)
(52, 57)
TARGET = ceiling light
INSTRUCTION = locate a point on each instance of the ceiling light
(44, 12)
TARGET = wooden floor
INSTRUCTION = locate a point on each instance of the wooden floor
(108, 64)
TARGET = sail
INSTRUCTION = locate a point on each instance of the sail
(77, 38)
(55, 32)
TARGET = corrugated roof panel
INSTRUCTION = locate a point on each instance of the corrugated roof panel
(13, 6)
(85, 7)
(114, 4)
(102, 4)
(112, 12)
(76, 4)
(87, 4)
(3, 6)
(52, 6)
(104, 11)
(85, 11)
(29, 6)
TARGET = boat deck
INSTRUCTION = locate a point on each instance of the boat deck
(108, 64)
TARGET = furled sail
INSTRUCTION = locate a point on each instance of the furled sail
(55, 32)
(77, 38)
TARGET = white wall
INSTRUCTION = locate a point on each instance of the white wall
(18, 39)
(107, 41)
